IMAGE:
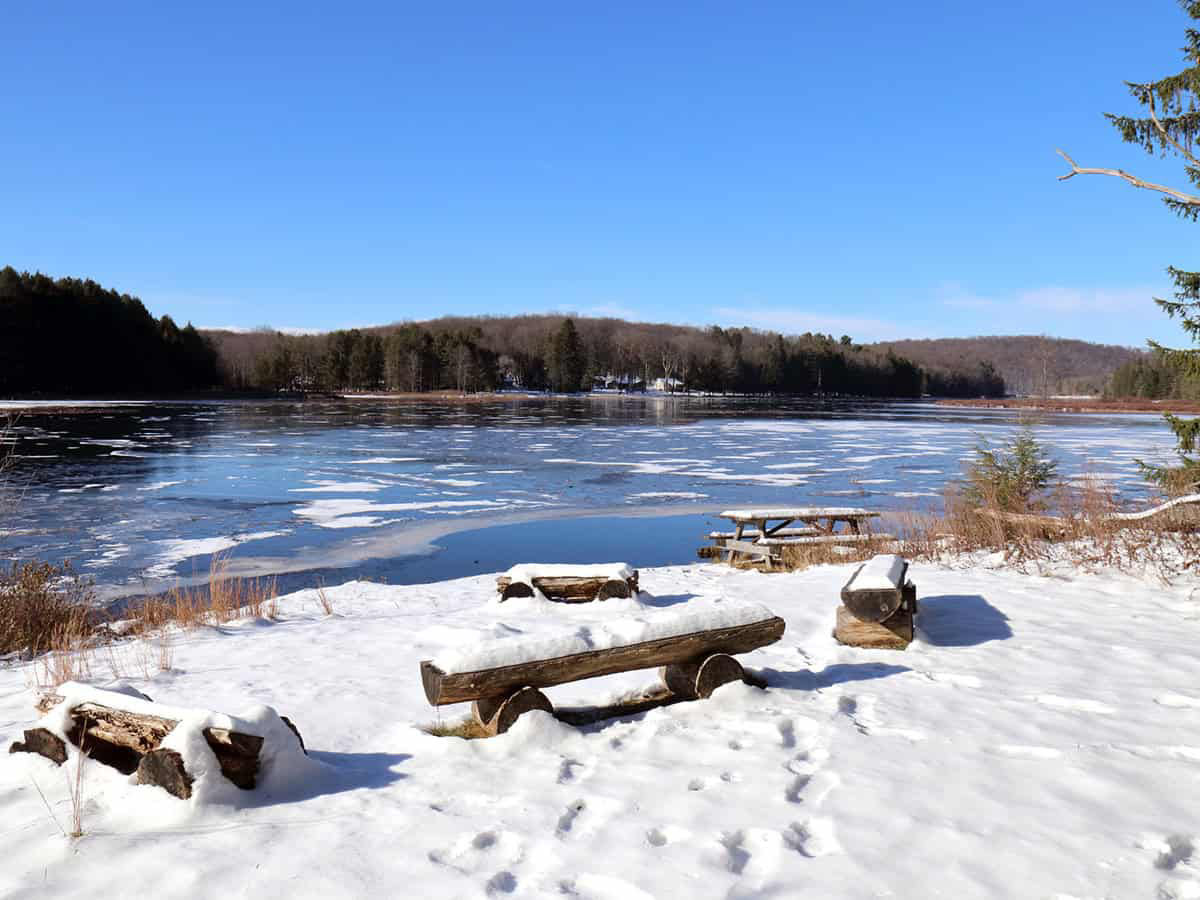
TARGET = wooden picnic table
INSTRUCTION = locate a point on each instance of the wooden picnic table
(768, 523)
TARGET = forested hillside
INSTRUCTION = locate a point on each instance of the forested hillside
(1029, 364)
(73, 336)
(540, 352)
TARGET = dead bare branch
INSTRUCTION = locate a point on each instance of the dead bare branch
(1189, 199)
(1184, 152)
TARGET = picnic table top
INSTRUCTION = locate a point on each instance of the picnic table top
(804, 512)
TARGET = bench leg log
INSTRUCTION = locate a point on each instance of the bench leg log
(697, 680)
(614, 587)
(497, 714)
(894, 633)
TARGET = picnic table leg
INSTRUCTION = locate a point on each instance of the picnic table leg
(737, 536)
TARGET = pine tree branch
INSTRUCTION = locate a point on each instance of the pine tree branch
(1187, 199)
(1167, 137)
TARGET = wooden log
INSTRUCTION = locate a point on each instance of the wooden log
(165, 769)
(614, 587)
(42, 742)
(873, 604)
(504, 711)
(442, 688)
(895, 633)
(697, 680)
(118, 738)
(572, 589)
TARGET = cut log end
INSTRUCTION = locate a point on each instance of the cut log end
(505, 711)
(515, 589)
(615, 587)
(43, 743)
(698, 680)
(165, 769)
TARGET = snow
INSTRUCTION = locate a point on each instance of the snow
(619, 632)
(798, 513)
(879, 573)
(1040, 738)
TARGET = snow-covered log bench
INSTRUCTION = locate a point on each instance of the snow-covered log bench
(573, 584)
(879, 605)
(502, 677)
(128, 731)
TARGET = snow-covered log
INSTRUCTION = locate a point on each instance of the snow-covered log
(879, 605)
(571, 583)
(874, 591)
(499, 668)
(127, 732)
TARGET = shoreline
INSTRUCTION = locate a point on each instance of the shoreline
(1074, 405)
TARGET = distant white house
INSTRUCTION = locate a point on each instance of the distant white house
(666, 385)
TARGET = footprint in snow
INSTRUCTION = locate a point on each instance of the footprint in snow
(753, 853)
(573, 770)
(811, 790)
(813, 837)
(861, 712)
(667, 834)
(1170, 851)
(475, 851)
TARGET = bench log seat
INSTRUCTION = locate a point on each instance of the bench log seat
(569, 584)
(879, 605)
(502, 678)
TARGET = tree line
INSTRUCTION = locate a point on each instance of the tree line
(567, 354)
(1154, 377)
(71, 336)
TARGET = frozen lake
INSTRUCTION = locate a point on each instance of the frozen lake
(140, 496)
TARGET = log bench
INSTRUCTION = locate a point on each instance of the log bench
(502, 678)
(569, 584)
(128, 735)
(879, 606)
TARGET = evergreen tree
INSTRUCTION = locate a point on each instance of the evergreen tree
(1171, 125)
(567, 361)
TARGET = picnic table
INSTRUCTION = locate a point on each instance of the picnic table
(771, 529)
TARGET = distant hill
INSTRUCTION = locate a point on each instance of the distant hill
(1029, 364)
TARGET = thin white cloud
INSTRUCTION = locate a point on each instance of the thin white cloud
(1050, 299)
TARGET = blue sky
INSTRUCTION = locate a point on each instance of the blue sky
(883, 170)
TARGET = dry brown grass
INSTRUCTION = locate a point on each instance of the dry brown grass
(467, 728)
(42, 607)
(1083, 533)
(224, 598)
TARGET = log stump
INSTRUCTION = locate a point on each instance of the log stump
(502, 712)
(697, 680)
(894, 633)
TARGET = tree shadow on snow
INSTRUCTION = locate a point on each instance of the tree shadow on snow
(648, 599)
(340, 772)
(960, 620)
(840, 673)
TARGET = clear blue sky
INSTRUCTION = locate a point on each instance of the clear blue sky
(885, 170)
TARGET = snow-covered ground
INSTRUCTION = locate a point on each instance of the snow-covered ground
(1041, 738)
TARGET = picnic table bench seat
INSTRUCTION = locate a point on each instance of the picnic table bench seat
(502, 678)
